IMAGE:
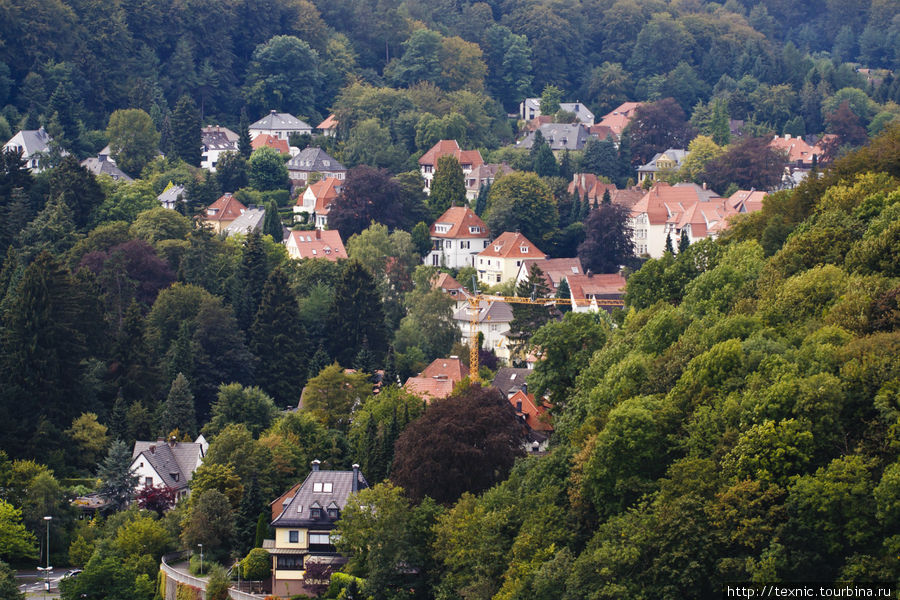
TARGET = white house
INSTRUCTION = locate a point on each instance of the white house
(167, 463)
(314, 160)
(32, 143)
(501, 259)
(456, 237)
(316, 244)
(314, 204)
(591, 293)
(665, 209)
(530, 109)
(215, 142)
(468, 160)
(280, 125)
(492, 321)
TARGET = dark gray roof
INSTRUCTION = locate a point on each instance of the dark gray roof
(495, 312)
(251, 220)
(34, 140)
(560, 136)
(678, 154)
(170, 195)
(314, 159)
(180, 459)
(280, 121)
(102, 166)
(217, 140)
(509, 380)
(296, 512)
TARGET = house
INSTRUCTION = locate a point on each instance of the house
(746, 201)
(535, 417)
(594, 187)
(484, 175)
(447, 284)
(104, 164)
(303, 527)
(33, 144)
(270, 141)
(250, 220)
(468, 160)
(167, 463)
(314, 160)
(587, 291)
(329, 126)
(223, 212)
(456, 237)
(661, 163)
(280, 125)
(491, 320)
(510, 380)
(438, 378)
(554, 269)
(560, 137)
(314, 204)
(798, 153)
(316, 244)
(530, 108)
(216, 141)
(171, 196)
(619, 118)
(501, 259)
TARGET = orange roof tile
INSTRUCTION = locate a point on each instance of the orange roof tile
(446, 368)
(329, 123)
(318, 244)
(463, 222)
(227, 208)
(326, 192)
(429, 388)
(445, 147)
(620, 117)
(270, 141)
(535, 416)
(510, 245)
(604, 285)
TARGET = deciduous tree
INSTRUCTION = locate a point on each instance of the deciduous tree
(133, 139)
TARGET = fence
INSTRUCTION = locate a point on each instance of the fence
(177, 576)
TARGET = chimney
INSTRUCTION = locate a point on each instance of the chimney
(315, 464)
(153, 449)
(355, 485)
(525, 388)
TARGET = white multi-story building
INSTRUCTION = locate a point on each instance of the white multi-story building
(468, 160)
(456, 237)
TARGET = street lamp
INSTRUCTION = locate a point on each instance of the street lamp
(47, 567)
(201, 558)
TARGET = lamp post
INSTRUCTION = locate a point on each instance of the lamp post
(201, 558)
(47, 566)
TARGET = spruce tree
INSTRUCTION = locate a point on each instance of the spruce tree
(448, 188)
(607, 199)
(684, 242)
(528, 318)
(278, 339)
(669, 247)
(262, 529)
(178, 409)
(117, 479)
(364, 362)
(179, 358)
(185, 123)
(319, 361)
(564, 293)
(245, 147)
(542, 160)
(565, 166)
(585, 207)
(252, 502)
(481, 200)
(166, 139)
(249, 280)
(357, 314)
(272, 223)
(137, 375)
(575, 215)
(390, 368)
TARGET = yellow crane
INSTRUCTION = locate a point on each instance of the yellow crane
(477, 298)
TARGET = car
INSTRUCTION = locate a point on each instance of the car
(71, 573)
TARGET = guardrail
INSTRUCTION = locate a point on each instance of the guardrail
(187, 579)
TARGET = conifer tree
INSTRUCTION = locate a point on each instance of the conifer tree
(186, 131)
(529, 318)
(585, 207)
(278, 339)
(262, 529)
(357, 314)
(166, 139)
(607, 199)
(364, 362)
(448, 188)
(272, 223)
(118, 480)
(118, 419)
(669, 248)
(136, 373)
(180, 355)
(481, 200)
(245, 522)
(178, 409)
(249, 280)
(319, 361)
(244, 143)
(390, 368)
(575, 214)
(565, 166)
(542, 160)
(563, 292)
(684, 242)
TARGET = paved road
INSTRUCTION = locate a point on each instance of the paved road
(32, 583)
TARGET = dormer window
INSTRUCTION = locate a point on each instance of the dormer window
(524, 249)
(315, 513)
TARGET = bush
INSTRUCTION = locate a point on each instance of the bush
(217, 586)
(257, 565)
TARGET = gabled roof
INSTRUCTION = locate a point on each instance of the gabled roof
(175, 462)
(510, 245)
(171, 193)
(463, 224)
(445, 147)
(494, 311)
(102, 166)
(445, 282)
(325, 191)
(427, 387)
(619, 117)
(270, 141)
(330, 122)
(663, 201)
(510, 380)
(554, 269)
(218, 138)
(586, 287)
(318, 244)
(217, 130)
(795, 148)
(226, 208)
(31, 140)
(487, 171)
(744, 201)
(534, 415)
(675, 154)
(314, 159)
(446, 368)
(276, 121)
(560, 136)
(251, 220)
(297, 511)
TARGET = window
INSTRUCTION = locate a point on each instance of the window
(317, 487)
(524, 249)
(319, 538)
(148, 481)
(322, 487)
(327, 487)
(289, 562)
(448, 243)
(333, 514)
(498, 279)
(294, 537)
(315, 513)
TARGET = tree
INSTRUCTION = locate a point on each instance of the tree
(845, 124)
(656, 126)
(232, 172)
(268, 171)
(156, 498)
(272, 224)
(178, 410)
(449, 186)
(89, 437)
(279, 341)
(421, 238)
(441, 456)
(701, 150)
(186, 131)
(143, 535)
(133, 139)
(284, 73)
(257, 565)
(245, 147)
(217, 583)
(522, 202)
(368, 195)
(607, 242)
(331, 395)
(550, 99)
(600, 158)
(750, 163)
(528, 318)
(428, 323)
(684, 242)
(542, 160)
(356, 314)
(236, 404)
(16, 542)
(247, 287)
(77, 188)
(9, 588)
(210, 523)
(420, 60)
(118, 480)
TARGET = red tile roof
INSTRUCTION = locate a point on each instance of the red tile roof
(429, 388)
(329, 123)
(586, 287)
(509, 245)
(795, 148)
(664, 200)
(270, 141)
(445, 147)
(446, 368)
(462, 221)
(318, 244)
(620, 117)
(325, 191)
(227, 208)
(554, 269)
(535, 416)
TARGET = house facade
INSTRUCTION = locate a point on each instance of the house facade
(663, 162)
(316, 244)
(554, 269)
(215, 142)
(534, 415)
(221, 213)
(171, 196)
(314, 160)
(456, 237)
(492, 320)
(32, 143)
(314, 204)
(588, 292)
(304, 525)
(484, 175)
(530, 108)
(501, 259)
(280, 125)
(468, 160)
(167, 463)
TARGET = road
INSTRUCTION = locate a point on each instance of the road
(32, 583)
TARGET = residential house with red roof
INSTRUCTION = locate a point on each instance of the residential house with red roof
(468, 160)
(484, 175)
(438, 378)
(314, 204)
(492, 319)
(456, 237)
(447, 284)
(221, 213)
(554, 270)
(329, 126)
(316, 244)
(588, 289)
(535, 417)
(619, 118)
(501, 259)
(270, 141)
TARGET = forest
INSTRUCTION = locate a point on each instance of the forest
(737, 421)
